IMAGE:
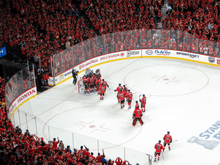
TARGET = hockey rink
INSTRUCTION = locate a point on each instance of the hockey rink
(182, 97)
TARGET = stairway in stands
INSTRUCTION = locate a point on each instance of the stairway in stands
(163, 10)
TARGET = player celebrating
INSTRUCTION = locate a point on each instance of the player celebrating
(86, 83)
(105, 83)
(118, 89)
(129, 96)
(98, 73)
(102, 90)
(143, 102)
(121, 98)
(92, 82)
(97, 84)
(137, 114)
(125, 88)
(158, 146)
(167, 140)
(136, 105)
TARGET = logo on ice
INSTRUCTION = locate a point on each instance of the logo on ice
(209, 144)
(211, 132)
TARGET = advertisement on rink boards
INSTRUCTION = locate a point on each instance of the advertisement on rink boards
(134, 54)
(91, 63)
(182, 55)
(22, 98)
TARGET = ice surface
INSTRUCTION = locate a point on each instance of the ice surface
(182, 97)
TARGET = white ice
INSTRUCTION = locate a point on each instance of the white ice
(182, 97)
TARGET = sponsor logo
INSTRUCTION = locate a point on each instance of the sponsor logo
(149, 52)
(132, 53)
(187, 54)
(67, 73)
(112, 56)
(50, 80)
(88, 63)
(61, 77)
(218, 61)
(211, 59)
(212, 132)
(162, 52)
(25, 95)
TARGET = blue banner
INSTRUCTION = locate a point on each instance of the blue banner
(3, 51)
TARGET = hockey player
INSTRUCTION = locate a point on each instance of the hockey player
(102, 90)
(136, 105)
(97, 84)
(143, 102)
(86, 83)
(125, 88)
(118, 89)
(137, 116)
(88, 71)
(158, 146)
(125, 91)
(98, 73)
(167, 140)
(129, 96)
(121, 98)
(92, 82)
(105, 83)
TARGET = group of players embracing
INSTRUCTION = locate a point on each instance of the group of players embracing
(92, 82)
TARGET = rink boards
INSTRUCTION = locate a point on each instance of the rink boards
(142, 53)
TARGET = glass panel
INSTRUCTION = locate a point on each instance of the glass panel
(134, 157)
(112, 151)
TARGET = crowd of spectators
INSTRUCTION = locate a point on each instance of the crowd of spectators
(198, 18)
(39, 29)
(17, 148)
(36, 30)
(2, 90)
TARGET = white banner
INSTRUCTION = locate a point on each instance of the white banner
(21, 99)
(141, 53)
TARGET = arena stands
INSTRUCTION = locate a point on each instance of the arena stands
(200, 19)
(35, 30)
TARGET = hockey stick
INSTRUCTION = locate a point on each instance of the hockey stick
(174, 140)
(139, 97)
(162, 156)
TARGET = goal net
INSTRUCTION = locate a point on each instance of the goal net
(79, 86)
